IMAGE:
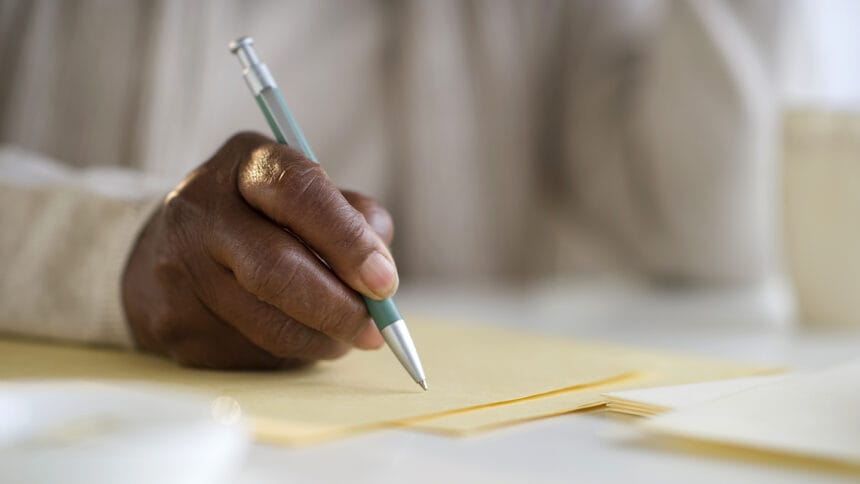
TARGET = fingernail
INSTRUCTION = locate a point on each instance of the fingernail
(369, 339)
(379, 275)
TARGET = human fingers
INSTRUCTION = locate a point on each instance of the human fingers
(276, 268)
(374, 213)
(295, 192)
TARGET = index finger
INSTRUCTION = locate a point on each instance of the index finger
(295, 192)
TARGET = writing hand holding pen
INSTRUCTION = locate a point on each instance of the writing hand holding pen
(215, 280)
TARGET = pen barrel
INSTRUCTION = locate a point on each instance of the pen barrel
(281, 121)
(287, 132)
(383, 312)
(276, 130)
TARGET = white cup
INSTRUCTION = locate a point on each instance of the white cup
(821, 181)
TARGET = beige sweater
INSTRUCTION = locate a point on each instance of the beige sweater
(65, 238)
(509, 139)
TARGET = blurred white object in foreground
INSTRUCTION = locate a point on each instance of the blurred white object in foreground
(76, 431)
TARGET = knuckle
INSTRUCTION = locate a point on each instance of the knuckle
(338, 321)
(272, 166)
(181, 211)
(352, 232)
(363, 203)
(245, 140)
(286, 338)
(242, 137)
(310, 181)
(374, 213)
(290, 338)
(274, 274)
(305, 185)
(176, 206)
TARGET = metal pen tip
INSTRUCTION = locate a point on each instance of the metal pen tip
(423, 384)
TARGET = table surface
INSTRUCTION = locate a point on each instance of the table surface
(753, 325)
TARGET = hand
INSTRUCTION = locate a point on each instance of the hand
(226, 275)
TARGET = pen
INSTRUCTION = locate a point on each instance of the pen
(384, 313)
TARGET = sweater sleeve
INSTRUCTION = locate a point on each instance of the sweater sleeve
(64, 238)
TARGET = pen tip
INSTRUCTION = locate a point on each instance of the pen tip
(423, 384)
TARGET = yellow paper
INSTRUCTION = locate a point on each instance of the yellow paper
(653, 368)
(467, 367)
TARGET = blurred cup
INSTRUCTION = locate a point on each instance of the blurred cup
(821, 176)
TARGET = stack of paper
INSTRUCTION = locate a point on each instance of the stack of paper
(652, 368)
(811, 415)
(647, 402)
(480, 378)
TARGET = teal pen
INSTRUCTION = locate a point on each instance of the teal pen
(384, 313)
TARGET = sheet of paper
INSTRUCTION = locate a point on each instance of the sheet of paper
(814, 414)
(467, 367)
(653, 368)
(656, 400)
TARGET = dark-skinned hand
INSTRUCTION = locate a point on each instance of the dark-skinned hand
(227, 272)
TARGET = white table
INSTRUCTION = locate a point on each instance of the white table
(750, 325)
